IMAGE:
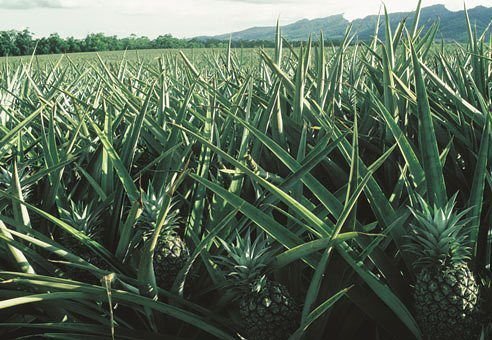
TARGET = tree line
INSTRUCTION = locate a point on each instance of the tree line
(16, 43)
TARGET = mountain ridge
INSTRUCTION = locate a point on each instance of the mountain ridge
(452, 25)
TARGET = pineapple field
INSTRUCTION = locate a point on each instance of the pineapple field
(321, 192)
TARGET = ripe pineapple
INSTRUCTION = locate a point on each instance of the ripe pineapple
(86, 221)
(266, 309)
(446, 293)
(171, 252)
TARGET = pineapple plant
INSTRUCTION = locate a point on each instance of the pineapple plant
(84, 219)
(7, 178)
(171, 252)
(30, 192)
(445, 292)
(485, 301)
(5, 184)
(266, 308)
(144, 157)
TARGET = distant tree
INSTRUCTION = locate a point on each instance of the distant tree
(73, 45)
(136, 43)
(168, 41)
(7, 43)
(56, 44)
(53, 44)
(194, 43)
(114, 43)
(95, 42)
(24, 42)
(43, 46)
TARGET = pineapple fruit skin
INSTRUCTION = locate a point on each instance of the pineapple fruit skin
(269, 313)
(446, 303)
(170, 256)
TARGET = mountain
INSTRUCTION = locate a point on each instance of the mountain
(452, 26)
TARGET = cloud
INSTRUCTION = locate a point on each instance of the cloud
(263, 2)
(26, 4)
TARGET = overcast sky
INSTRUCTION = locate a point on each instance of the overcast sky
(184, 18)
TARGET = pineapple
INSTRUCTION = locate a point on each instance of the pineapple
(266, 309)
(171, 252)
(6, 179)
(6, 175)
(445, 293)
(86, 221)
(29, 191)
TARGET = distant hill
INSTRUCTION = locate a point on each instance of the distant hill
(452, 25)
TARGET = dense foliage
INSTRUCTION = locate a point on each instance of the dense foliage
(316, 193)
(18, 43)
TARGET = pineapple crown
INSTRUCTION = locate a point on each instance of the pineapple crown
(6, 177)
(247, 260)
(153, 201)
(82, 217)
(258, 284)
(437, 236)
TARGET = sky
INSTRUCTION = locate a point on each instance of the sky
(185, 18)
